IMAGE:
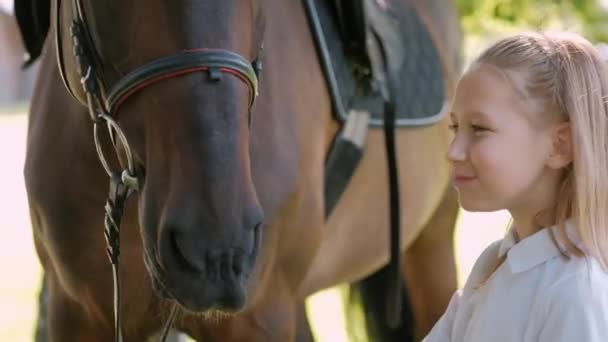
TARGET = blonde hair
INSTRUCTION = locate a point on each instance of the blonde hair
(564, 77)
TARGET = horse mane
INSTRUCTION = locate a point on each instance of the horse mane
(33, 19)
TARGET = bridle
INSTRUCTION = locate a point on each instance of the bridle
(103, 107)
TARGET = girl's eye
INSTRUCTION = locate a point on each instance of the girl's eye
(477, 128)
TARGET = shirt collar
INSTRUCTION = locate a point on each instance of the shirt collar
(534, 249)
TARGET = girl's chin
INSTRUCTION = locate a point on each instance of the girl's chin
(477, 205)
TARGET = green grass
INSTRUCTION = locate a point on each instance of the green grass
(21, 270)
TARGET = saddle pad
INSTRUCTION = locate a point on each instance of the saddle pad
(420, 83)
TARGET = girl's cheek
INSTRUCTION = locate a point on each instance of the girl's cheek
(481, 156)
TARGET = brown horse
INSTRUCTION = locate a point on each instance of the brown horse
(229, 220)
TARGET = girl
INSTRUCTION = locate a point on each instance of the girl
(530, 118)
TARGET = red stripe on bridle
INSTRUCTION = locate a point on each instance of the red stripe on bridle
(159, 78)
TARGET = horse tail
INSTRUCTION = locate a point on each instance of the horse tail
(366, 300)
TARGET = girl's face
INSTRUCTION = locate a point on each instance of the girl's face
(498, 155)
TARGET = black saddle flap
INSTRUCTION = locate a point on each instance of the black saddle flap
(413, 60)
(351, 19)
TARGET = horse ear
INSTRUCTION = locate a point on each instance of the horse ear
(33, 18)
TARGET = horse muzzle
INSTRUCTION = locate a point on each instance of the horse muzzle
(204, 276)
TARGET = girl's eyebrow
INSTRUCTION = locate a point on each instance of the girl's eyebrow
(475, 114)
(453, 116)
(480, 115)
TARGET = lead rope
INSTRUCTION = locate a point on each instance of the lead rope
(119, 192)
(122, 185)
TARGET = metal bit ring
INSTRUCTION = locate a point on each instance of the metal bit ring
(127, 148)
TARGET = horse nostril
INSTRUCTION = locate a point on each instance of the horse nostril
(225, 254)
(237, 264)
(183, 251)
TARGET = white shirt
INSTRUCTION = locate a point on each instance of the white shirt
(537, 295)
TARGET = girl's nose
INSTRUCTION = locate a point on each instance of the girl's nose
(457, 150)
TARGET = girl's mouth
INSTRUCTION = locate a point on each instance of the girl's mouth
(462, 180)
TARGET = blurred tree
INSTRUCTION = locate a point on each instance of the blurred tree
(486, 19)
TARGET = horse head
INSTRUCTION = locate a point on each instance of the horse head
(179, 80)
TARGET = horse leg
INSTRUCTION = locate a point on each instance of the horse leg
(425, 294)
(429, 266)
(303, 329)
(41, 323)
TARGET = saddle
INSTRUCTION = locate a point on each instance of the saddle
(350, 17)
(373, 52)
(352, 34)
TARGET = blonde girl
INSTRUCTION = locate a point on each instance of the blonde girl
(530, 118)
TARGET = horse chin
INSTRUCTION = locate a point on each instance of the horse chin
(202, 297)
(216, 315)
(216, 299)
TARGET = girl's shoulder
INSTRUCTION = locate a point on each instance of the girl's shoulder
(578, 274)
(574, 307)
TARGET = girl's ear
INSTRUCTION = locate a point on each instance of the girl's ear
(561, 154)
